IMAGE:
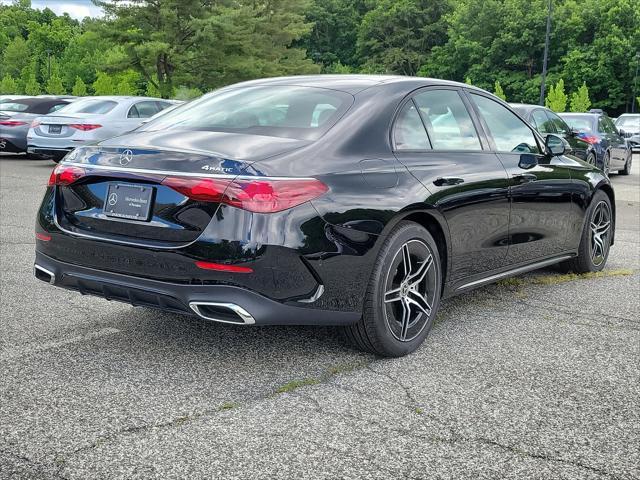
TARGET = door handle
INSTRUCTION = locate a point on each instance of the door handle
(525, 177)
(442, 181)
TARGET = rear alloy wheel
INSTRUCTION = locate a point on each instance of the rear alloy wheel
(591, 159)
(627, 165)
(595, 242)
(403, 294)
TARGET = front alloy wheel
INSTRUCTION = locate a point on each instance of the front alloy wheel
(600, 229)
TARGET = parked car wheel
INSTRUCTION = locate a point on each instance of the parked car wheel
(595, 242)
(591, 159)
(627, 165)
(606, 163)
(403, 294)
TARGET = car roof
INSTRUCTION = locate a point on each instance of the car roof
(351, 83)
(119, 98)
(40, 104)
(527, 106)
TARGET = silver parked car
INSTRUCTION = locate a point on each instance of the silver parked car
(16, 116)
(628, 124)
(89, 120)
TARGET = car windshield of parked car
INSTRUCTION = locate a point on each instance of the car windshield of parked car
(631, 123)
(13, 106)
(278, 111)
(89, 106)
(582, 124)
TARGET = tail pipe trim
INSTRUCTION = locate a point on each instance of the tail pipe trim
(222, 312)
(43, 274)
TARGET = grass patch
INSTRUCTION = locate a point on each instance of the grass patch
(228, 406)
(570, 277)
(511, 282)
(419, 410)
(295, 384)
(345, 368)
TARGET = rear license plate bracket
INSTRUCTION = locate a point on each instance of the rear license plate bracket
(131, 202)
(55, 128)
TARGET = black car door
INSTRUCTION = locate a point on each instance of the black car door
(617, 142)
(540, 185)
(465, 181)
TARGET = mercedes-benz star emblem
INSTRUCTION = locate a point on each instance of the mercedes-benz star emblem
(113, 199)
(126, 157)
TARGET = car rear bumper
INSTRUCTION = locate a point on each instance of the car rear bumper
(12, 145)
(56, 153)
(223, 303)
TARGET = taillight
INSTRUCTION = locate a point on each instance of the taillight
(260, 196)
(85, 127)
(36, 124)
(223, 267)
(43, 237)
(591, 139)
(12, 123)
(65, 175)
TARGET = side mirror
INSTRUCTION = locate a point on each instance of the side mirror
(555, 145)
(575, 132)
(621, 131)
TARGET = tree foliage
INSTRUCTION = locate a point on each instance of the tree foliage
(498, 92)
(580, 101)
(157, 47)
(8, 85)
(556, 98)
(79, 88)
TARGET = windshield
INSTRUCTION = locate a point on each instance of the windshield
(89, 106)
(278, 111)
(582, 124)
(631, 121)
(13, 106)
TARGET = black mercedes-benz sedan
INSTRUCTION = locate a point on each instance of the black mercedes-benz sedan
(357, 201)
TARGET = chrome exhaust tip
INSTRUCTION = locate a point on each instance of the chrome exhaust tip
(222, 312)
(43, 274)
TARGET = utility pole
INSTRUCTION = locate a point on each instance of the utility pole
(546, 55)
(634, 100)
(48, 63)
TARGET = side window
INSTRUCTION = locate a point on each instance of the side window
(602, 125)
(509, 133)
(561, 127)
(143, 110)
(610, 125)
(542, 122)
(56, 107)
(409, 132)
(447, 120)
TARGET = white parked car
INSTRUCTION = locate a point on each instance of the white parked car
(89, 120)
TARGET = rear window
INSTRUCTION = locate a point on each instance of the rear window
(582, 124)
(629, 122)
(89, 106)
(13, 106)
(279, 111)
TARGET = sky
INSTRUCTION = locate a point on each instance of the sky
(75, 8)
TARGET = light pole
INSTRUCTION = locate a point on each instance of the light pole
(48, 63)
(546, 55)
(634, 100)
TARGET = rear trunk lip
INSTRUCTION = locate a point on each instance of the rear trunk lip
(148, 171)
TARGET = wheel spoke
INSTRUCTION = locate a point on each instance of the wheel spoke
(416, 298)
(417, 277)
(392, 295)
(406, 316)
(406, 260)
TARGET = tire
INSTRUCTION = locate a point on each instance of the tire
(627, 165)
(606, 163)
(591, 159)
(592, 259)
(396, 323)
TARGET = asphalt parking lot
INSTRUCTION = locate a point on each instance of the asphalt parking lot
(537, 377)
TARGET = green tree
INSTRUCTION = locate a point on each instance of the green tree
(54, 85)
(468, 81)
(498, 92)
(186, 93)
(398, 35)
(8, 85)
(152, 90)
(79, 88)
(556, 98)
(15, 55)
(104, 84)
(32, 87)
(580, 101)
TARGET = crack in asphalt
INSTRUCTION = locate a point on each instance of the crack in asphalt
(34, 465)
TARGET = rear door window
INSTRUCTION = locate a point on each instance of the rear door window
(143, 110)
(510, 134)
(89, 106)
(447, 120)
(542, 122)
(409, 132)
(561, 127)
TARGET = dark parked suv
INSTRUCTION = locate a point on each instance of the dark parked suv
(611, 152)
